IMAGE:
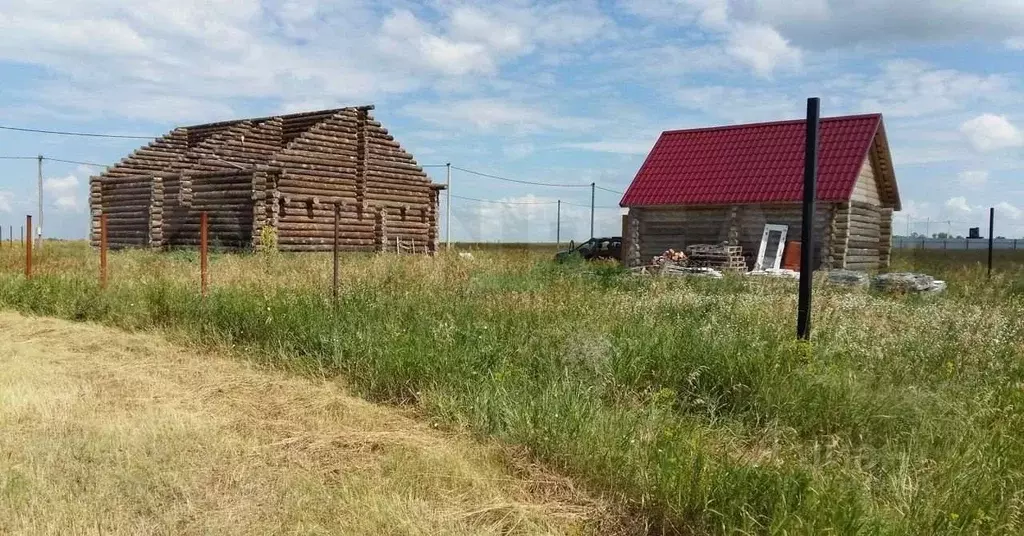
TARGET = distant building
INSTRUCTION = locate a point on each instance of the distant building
(279, 176)
(723, 184)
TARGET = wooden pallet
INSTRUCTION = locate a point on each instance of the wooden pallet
(717, 256)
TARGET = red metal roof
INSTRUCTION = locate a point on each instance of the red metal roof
(755, 163)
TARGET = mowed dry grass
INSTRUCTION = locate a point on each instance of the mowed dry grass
(103, 431)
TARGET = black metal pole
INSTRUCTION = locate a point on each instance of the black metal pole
(803, 318)
(991, 232)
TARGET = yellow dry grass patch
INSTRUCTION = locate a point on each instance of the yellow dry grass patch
(107, 432)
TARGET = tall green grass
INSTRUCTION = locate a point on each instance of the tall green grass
(687, 400)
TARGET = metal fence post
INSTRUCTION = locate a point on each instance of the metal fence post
(28, 247)
(991, 232)
(203, 253)
(103, 251)
(337, 218)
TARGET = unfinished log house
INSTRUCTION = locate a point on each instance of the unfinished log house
(278, 177)
(724, 184)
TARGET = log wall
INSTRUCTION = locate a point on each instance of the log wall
(226, 197)
(864, 236)
(128, 203)
(753, 218)
(885, 239)
(659, 229)
(839, 232)
(676, 228)
(866, 188)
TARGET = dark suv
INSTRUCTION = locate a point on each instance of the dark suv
(595, 248)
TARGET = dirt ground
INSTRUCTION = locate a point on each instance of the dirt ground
(108, 432)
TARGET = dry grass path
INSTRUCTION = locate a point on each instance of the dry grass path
(107, 432)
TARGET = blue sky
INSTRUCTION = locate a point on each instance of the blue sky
(566, 92)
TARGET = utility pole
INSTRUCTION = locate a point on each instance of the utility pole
(558, 225)
(593, 186)
(927, 224)
(39, 235)
(448, 207)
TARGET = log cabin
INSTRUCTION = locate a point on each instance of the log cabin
(722, 185)
(281, 176)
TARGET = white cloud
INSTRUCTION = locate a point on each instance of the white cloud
(958, 206)
(492, 114)
(912, 88)
(630, 147)
(406, 37)
(198, 60)
(1006, 210)
(1015, 43)
(473, 25)
(973, 179)
(989, 132)
(708, 13)
(62, 192)
(831, 23)
(761, 48)
(744, 105)
(6, 201)
(916, 210)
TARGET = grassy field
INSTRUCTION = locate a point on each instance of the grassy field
(687, 402)
(108, 433)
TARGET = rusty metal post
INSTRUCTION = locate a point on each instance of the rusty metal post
(991, 235)
(28, 247)
(103, 251)
(337, 223)
(203, 260)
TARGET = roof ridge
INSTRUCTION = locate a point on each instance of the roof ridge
(771, 123)
(293, 115)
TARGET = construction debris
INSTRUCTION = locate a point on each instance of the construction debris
(849, 278)
(907, 282)
(776, 272)
(671, 257)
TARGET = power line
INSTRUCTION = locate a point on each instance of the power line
(83, 134)
(505, 202)
(588, 206)
(75, 162)
(608, 190)
(53, 160)
(532, 183)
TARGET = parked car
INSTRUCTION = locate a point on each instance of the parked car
(595, 248)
